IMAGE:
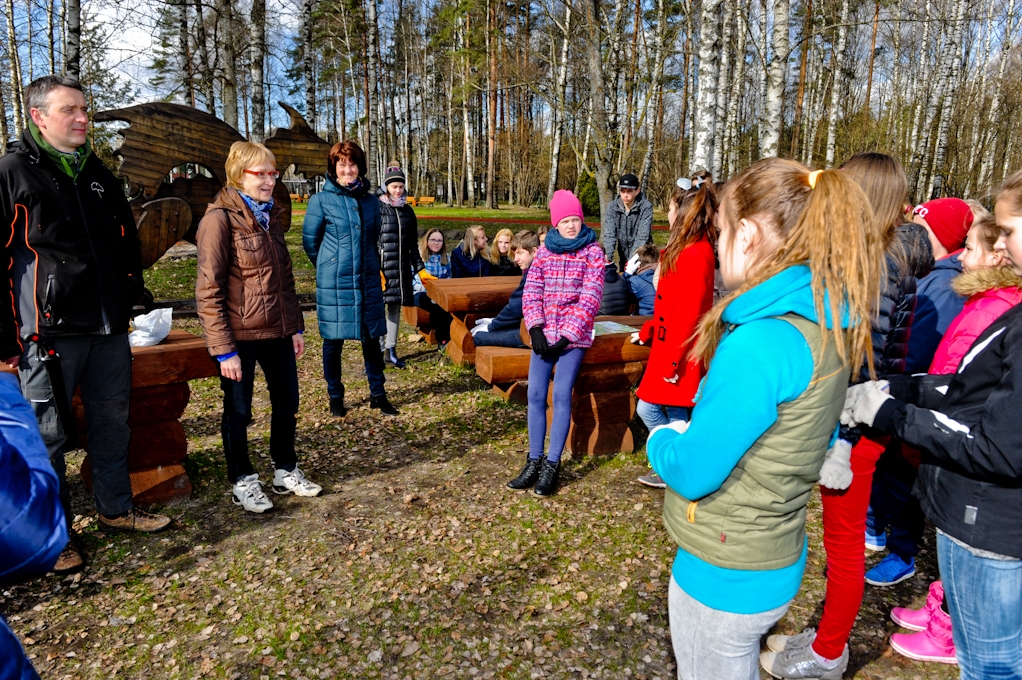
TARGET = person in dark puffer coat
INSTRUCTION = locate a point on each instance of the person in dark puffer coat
(617, 295)
(399, 255)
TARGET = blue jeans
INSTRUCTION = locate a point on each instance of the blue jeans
(984, 597)
(372, 355)
(508, 338)
(653, 414)
(568, 363)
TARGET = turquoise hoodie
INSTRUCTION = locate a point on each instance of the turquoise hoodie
(762, 363)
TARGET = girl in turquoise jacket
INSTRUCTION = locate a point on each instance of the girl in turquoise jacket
(797, 253)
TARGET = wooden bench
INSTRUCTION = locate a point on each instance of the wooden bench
(159, 396)
(467, 300)
(602, 399)
(427, 200)
(419, 318)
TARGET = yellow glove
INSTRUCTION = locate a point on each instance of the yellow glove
(383, 281)
(424, 275)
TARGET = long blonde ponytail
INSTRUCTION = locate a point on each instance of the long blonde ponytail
(830, 228)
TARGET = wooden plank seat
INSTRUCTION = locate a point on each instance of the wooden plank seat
(159, 396)
(466, 300)
(426, 200)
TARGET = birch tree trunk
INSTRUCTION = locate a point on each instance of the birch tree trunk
(309, 58)
(205, 73)
(807, 42)
(49, 35)
(450, 138)
(600, 126)
(921, 160)
(490, 200)
(560, 93)
(661, 33)
(373, 68)
(953, 49)
(770, 140)
(837, 62)
(737, 82)
(987, 164)
(73, 45)
(12, 58)
(470, 178)
(706, 90)
(723, 91)
(225, 15)
(257, 57)
(5, 133)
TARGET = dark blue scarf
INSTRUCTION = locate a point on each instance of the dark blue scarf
(556, 243)
(261, 211)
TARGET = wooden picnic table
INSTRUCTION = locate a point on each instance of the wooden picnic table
(159, 396)
(466, 300)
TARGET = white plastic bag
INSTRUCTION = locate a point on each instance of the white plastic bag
(151, 328)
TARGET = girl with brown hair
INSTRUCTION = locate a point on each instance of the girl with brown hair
(797, 251)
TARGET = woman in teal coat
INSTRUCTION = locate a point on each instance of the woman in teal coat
(342, 227)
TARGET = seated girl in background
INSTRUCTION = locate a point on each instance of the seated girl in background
(433, 251)
(640, 277)
(471, 258)
(502, 256)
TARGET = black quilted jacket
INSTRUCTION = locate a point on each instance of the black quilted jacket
(399, 252)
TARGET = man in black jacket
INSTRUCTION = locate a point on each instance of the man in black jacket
(75, 273)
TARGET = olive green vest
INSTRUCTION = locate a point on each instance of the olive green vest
(756, 519)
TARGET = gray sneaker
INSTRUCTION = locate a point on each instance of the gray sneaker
(799, 662)
(778, 643)
(653, 480)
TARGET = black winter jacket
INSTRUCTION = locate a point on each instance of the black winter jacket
(617, 294)
(72, 247)
(505, 266)
(970, 478)
(399, 252)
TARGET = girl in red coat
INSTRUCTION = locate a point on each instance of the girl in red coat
(684, 295)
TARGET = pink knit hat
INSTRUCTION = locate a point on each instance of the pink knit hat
(564, 204)
(949, 219)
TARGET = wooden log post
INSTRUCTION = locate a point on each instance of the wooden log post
(418, 318)
(159, 396)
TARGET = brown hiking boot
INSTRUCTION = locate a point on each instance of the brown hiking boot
(136, 520)
(70, 560)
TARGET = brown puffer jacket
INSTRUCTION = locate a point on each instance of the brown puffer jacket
(245, 288)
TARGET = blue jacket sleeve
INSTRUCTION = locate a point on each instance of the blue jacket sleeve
(511, 316)
(33, 528)
(313, 228)
(757, 367)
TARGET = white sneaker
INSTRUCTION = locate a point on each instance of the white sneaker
(248, 493)
(285, 482)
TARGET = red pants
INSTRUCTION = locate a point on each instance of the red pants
(844, 529)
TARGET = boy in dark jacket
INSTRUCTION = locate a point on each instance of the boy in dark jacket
(617, 295)
(504, 330)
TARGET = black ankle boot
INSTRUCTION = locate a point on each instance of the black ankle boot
(337, 407)
(528, 476)
(548, 474)
(392, 358)
(383, 404)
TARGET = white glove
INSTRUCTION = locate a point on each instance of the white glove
(836, 472)
(863, 401)
(673, 380)
(632, 265)
(634, 338)
(679, 426)
(482, 326)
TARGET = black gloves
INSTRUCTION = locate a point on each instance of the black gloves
(539, 343)
(556, 349)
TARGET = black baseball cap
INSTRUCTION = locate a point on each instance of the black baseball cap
(628, 181)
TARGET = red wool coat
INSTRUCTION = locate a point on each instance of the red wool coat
(683, 296)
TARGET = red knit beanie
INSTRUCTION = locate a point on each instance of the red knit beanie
(949, 220)
(564, 204)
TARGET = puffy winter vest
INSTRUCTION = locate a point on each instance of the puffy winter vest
(756, 519)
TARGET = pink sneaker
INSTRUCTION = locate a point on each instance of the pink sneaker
(933, 644)
(916, 619)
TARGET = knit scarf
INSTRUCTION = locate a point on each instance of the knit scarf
(394, 202)
(70, 163)
(261, 211)
(556, 243)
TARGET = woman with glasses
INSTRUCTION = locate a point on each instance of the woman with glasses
(433, 252)
(340, 236)
(248, 308)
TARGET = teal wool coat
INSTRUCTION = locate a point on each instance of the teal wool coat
(342, 228)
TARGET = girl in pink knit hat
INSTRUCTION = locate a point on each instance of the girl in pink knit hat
(560, 301)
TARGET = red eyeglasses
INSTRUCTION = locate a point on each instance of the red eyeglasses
(263, 175)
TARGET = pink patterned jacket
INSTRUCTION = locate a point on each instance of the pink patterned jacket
(563, 292)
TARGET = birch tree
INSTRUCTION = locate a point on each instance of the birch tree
(706, 104)
(836, 64)
(772, 108)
